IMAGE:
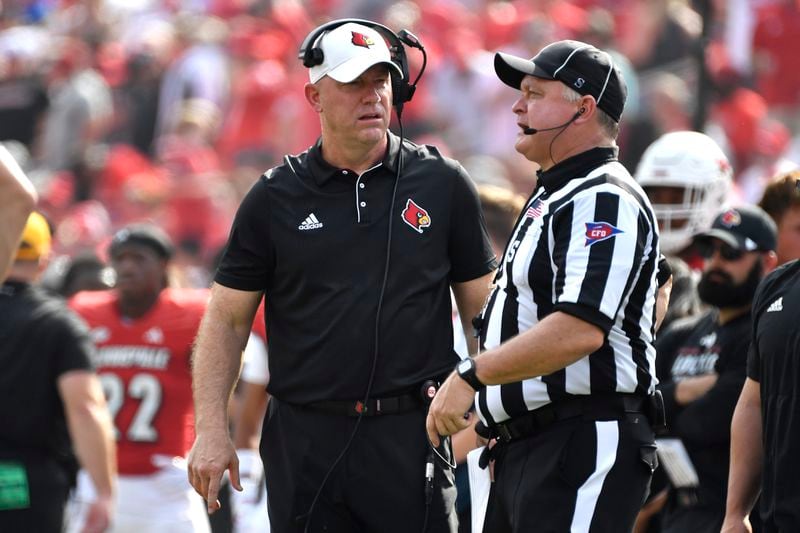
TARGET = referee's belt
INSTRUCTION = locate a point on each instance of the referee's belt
(587, 407)
(389, 405)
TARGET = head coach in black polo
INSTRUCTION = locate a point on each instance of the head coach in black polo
(566, 382)
(355, 245)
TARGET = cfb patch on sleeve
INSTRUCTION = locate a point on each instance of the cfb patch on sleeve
(599, 231)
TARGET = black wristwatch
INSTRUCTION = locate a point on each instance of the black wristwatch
(466, 369)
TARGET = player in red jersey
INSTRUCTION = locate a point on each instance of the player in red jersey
(144, 332)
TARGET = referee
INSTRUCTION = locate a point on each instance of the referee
(565, 383)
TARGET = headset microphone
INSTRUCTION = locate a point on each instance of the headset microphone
(531, 131)
(409, 39)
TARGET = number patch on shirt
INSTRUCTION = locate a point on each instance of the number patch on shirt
(144, 388)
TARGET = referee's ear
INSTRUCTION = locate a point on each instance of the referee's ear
(587, 109)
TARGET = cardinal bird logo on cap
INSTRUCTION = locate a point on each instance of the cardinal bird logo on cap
(359, 39)
(599, 231)
(415, 216)
(730, 218)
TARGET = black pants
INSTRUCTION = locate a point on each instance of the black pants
(49, 487)
(575, 475)
(377, 487)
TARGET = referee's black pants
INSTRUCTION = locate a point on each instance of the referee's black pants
(573, 476)
(378, 487)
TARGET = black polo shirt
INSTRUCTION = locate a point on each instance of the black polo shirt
(40, 340)
(774, 361)
(314, 238)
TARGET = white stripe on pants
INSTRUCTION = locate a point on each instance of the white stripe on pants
(589, 492)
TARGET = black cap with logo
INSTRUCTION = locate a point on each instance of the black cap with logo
(745, 228)
(579, 65)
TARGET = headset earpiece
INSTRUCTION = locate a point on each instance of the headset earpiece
(313, 58)
(581, 111)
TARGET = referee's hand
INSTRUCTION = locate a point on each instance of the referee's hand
(449, 411)
(212, 454)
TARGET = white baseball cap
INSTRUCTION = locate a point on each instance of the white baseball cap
(349, 50)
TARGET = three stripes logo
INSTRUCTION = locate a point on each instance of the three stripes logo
(776, 306)
(310, 222)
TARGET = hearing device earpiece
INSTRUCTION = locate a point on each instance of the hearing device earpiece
(581, 111)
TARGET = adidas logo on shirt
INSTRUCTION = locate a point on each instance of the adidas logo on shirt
(310, 222)
(775, 306)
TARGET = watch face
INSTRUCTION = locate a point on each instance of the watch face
(464, 365)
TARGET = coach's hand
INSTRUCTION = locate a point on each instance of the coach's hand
(449, 411)
(212, 454)
(98, 517)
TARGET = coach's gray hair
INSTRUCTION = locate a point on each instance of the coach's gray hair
(610, 127)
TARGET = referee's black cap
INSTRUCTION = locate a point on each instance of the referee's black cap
(145, 234)
(745, 228)
(581, 66)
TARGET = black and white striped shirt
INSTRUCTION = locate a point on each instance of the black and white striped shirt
(586, 244)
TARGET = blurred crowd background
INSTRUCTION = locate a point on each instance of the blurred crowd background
(168, 110)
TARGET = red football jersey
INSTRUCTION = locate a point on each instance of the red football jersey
(144, 366)
(259, 326)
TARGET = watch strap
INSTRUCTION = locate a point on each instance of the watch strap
(468, 375)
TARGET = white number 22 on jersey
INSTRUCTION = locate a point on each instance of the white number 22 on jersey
(143, 387)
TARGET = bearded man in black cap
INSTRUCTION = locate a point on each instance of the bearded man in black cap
(565, 386)
(702, 363)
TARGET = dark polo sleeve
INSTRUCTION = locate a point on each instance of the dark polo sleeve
(471, 253)
(248, 260)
